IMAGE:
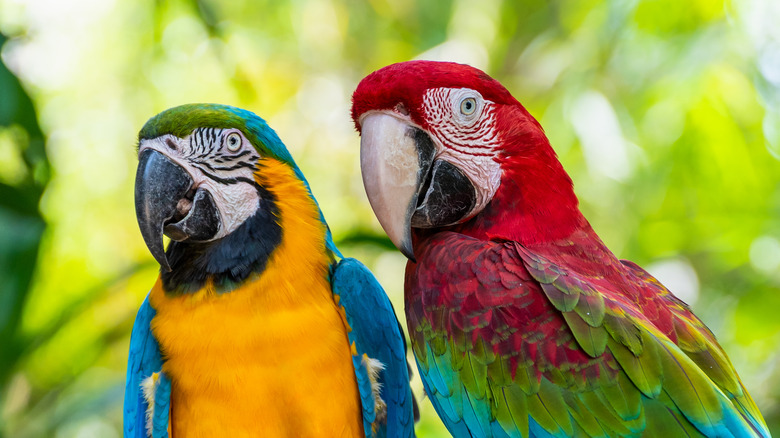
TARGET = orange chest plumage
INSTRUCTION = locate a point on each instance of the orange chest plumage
(243, 362)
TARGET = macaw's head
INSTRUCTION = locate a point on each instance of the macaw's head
(209, 178)
(444, 144)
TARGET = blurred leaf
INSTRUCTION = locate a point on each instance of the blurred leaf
(21, 225)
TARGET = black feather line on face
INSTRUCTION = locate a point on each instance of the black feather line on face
(203, 145)
(236, 166)
(203, 163)
(230, 260)
(237, 156)
(228, 181)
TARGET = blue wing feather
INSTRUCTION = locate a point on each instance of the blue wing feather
(376, 333)
(144, 359)
(162, 405)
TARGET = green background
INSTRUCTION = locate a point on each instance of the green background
(666, 113)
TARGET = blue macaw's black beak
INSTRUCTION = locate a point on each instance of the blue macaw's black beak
(166, 203)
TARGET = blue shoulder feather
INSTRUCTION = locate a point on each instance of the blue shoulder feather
(375, 332)
(144, 360)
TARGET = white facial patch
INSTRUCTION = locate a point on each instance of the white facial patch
(220, 161)
(462, 125)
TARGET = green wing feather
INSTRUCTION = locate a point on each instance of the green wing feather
(564, 352)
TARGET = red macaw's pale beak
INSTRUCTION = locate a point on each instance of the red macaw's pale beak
(406, 186)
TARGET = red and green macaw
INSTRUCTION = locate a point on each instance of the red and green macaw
(523, 323)
(256, 326)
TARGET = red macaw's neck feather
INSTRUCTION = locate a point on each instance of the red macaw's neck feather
(535, 202)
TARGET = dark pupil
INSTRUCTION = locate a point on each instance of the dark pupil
(468, 105)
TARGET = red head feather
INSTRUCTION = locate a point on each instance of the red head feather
(406, 83)
(536, 201)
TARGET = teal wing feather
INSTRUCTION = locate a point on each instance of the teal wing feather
(374, 332)
(512, 344)
(143, 361)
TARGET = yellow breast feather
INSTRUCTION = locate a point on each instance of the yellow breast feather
(272, 356)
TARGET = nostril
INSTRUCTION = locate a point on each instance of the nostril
(401, 109)
(170, 144)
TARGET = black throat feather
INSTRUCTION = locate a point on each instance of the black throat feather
(229, 261)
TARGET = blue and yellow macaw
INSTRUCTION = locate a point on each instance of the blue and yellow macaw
(256, 325)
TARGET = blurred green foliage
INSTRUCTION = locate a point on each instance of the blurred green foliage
(665, 113)
(23, 177)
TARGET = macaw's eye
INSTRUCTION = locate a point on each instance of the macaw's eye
(233, 142)
(468, 106)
